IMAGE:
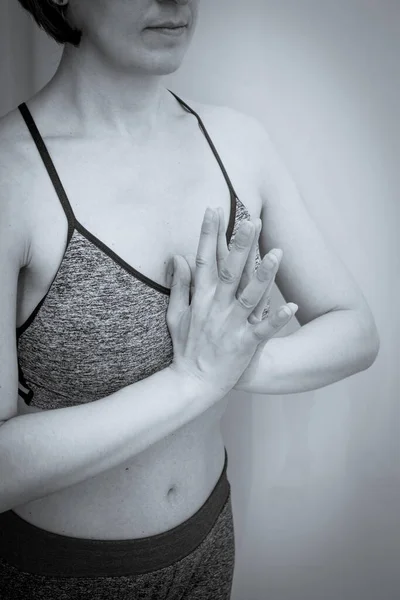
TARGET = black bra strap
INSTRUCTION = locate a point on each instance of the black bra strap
(41, 146)
(213, 148)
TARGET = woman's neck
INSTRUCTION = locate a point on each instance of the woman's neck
(108, 102)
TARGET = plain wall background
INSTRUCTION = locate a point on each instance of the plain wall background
(315, 476)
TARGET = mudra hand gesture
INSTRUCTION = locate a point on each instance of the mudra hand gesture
(222, 330)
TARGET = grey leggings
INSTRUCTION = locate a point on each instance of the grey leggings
(194, 560)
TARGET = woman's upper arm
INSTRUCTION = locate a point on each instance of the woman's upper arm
(12, 258)
(311, 274)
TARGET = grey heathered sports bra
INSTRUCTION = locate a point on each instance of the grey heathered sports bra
(102, 324)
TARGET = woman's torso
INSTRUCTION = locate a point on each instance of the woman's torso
(146, 207)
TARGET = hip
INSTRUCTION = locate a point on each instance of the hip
(195, 558)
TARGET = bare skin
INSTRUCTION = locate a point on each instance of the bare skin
(139, 175)
(145, 220)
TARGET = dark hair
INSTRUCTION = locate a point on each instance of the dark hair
(52, 18)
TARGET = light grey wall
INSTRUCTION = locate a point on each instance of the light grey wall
(315, 476)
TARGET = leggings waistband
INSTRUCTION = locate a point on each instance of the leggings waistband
(35, 550)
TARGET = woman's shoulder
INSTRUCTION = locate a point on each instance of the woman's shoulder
(15, 152)
(15, 142)
(230, 126)
(226, 116)
(16, 174)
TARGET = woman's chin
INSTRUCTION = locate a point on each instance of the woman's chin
(161, 63)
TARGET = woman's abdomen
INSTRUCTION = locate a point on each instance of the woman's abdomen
(151, 493)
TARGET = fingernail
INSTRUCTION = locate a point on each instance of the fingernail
(284, 312)
(209, 214)
(271, 260)
(277, 253)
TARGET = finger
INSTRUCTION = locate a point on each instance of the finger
(269, 327)
(179, 293)
(252, 294)
(262, 309)
(223, 250)
(222, 246)
(206, 261)
(249, 267)
(191, 261)
(266, 297)
(232, 267)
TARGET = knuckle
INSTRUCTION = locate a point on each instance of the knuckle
(240, 243)
(206, 230)
(246, 302)
(227, 276)
(259, 334)
(263, 273)
(201, 262)
(276, 323)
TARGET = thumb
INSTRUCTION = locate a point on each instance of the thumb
(180, 286)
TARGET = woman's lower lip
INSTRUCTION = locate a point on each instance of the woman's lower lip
(169, 30)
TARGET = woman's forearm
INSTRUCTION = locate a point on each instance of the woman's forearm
(329, 348)
(44, 452)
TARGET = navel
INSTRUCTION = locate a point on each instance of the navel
(171, 492)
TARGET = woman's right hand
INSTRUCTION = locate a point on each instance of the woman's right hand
(213, 341)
